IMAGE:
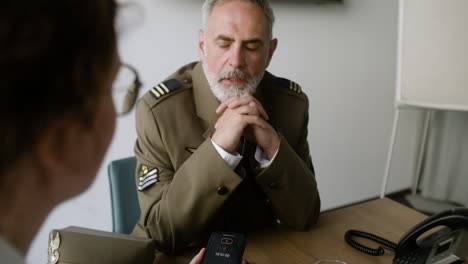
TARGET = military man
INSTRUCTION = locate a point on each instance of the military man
(222, 143)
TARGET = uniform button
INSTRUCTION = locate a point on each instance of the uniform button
(273, 185)
(187, 81)
(222, 190)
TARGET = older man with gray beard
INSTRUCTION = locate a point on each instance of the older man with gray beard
(222, 144)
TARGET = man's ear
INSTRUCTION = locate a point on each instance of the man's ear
(271, 50)
(201, 44)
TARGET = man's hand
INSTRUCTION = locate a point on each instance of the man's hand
(232, 123)
(246, 99)
(256, 129)
(199, 257)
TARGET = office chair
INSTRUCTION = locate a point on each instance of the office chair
(124, 200)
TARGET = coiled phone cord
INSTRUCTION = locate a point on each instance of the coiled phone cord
(370, 251)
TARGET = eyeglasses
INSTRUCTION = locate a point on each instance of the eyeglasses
(125, 89)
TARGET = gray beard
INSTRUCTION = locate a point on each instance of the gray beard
(226, 91)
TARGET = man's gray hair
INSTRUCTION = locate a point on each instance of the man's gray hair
(264, 4)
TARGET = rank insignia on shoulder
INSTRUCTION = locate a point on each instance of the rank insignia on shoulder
(148, 179)
(164, 88)
(291, 85)
(190, 150)
(295, 87)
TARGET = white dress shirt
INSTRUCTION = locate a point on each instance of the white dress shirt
(233, 160)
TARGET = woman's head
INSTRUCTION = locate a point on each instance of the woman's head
(57, 63)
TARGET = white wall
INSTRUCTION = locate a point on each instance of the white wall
(343, 55)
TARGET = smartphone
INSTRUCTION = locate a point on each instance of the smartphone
(224, 248)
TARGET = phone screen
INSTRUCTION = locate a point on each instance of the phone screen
(224, 248)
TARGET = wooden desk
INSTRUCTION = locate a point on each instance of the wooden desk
(325, 240)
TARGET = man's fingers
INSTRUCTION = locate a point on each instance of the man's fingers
(198, 258)
(247, 110)
(221, 108)
(234, 102)
(245, 100)
(251, 108)
(260, 109)
(255, 120)
(225, 104)
(248, 114)
(250, 100)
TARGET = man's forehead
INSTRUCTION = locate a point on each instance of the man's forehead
(235, 34)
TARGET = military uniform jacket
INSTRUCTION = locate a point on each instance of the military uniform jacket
(187, 190)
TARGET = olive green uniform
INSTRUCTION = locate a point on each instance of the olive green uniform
(187, 190)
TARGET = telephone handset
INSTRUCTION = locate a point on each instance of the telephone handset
(446, 245)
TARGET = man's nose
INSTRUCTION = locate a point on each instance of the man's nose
(236, 58)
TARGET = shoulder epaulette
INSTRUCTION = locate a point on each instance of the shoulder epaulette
(290, 85)
(164, 88)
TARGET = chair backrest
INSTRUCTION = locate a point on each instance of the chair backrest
(124, 200)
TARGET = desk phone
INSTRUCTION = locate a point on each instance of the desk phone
(447, 245)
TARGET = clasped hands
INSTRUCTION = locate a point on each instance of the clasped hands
(244, 116)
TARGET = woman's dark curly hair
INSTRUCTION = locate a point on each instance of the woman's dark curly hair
(53, 56)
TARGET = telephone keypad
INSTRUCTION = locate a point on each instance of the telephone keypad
(414, 257)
